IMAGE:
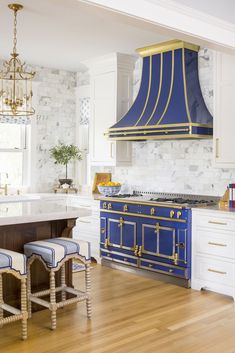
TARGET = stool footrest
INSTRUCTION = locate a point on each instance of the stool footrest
(71, 301)
(10, 309)
(80, 296)
(42, 293)
(9, 319)
(39, 301)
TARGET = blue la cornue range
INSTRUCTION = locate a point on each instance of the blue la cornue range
(150, 233)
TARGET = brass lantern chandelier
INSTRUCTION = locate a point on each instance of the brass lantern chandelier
(16, 82)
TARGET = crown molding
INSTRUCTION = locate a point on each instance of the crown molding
(176, 20)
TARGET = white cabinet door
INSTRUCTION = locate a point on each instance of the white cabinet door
(111, 96)
(103, 116)
(224, 134)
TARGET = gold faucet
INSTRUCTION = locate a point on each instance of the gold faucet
(5, 187)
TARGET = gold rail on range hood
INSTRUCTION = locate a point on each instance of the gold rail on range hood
(169, 104)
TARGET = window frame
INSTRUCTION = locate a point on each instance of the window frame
(25, 150)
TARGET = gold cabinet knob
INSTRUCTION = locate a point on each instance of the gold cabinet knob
(152, 211)
(179, 214)
(171, 270)
(125, 259)
(103, 230)
(172, 213)
(104, 205)
(109, 206)
(150, 265)
(125, 208)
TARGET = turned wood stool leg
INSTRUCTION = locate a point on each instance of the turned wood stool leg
(1, 300)
(52, 300)
(88, 289)
(63, 283)
(29, 291)
(24, 308)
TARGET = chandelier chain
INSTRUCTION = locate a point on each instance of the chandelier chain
(15, 32)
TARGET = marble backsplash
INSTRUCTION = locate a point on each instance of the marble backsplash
(184, 166)
(55, 104)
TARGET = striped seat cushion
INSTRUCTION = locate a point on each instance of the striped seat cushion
(54, 250)
(12, 260)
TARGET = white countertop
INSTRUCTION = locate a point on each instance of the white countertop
(38, 211)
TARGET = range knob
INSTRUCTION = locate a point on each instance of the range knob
(179, 214)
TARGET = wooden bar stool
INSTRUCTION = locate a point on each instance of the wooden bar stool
(14, 263)
(54, 253)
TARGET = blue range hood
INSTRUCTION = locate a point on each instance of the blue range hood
(169, 104)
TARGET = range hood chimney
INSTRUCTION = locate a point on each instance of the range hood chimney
(169, 104)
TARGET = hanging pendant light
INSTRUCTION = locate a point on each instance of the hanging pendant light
(16, 82)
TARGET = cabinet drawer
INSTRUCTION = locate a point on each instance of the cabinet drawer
(216, 222)
(215, 271)
(152, 266)
(216, 243)
(119, 258)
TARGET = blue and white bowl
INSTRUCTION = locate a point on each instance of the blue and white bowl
(109, 190)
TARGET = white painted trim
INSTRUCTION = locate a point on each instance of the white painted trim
(177, 20)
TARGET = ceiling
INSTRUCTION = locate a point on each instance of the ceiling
(63, 33)
(224, 10)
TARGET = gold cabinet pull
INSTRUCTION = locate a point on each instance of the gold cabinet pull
(125, 259)
(106, 243)
(171, 270)
(152, 211)
(121, 222)
(172, 213)
(216, 244)
(109, 206)
(136, 250)
(216, 148)
(140, 251)
(157, 228)
(150, 265)
(125, 208)
(104, 205)
(220, 223)
(103, 230)
(176, 258)
(216, 271)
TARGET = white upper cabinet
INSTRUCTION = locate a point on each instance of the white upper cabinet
(111, 97)
(224, 115)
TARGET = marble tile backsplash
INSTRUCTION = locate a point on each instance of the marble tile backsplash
(55, 121)
(176, 166)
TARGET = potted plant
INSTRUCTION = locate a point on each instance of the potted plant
(63, 154)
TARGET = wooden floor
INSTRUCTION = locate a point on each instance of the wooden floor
(132, 314)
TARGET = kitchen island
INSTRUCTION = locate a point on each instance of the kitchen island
(23, 222)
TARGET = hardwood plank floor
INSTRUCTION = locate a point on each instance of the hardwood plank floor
(132, 314)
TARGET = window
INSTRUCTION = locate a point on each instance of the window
(13, 154)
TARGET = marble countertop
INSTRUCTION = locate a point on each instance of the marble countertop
(38, 211)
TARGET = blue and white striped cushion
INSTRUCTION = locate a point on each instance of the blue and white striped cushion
(54, 250)
(12, 260)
